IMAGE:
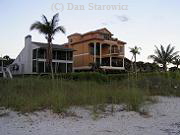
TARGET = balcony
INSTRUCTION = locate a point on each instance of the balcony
(56, 54)
(107, 51)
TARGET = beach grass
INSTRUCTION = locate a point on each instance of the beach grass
(32, 93)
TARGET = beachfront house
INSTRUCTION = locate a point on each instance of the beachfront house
(32, 58)
(97, 47)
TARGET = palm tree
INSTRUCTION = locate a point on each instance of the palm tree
(6, 57)
(135, 50)
(49, 29)
(7, 60)
(164, 56)
(176, 61)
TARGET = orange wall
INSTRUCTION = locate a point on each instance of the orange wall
(84, 60)
(81, 46)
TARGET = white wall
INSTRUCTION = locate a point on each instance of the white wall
(24, 59)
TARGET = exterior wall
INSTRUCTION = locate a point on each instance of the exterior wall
(80, 61)
(80, 48)
(83, 56)
(75, 38)
(24, 59)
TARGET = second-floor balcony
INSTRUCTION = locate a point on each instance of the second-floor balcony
(40, 53)
(113, 50)
(106, 50)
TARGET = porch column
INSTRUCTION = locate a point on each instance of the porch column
(110, 56)
(100, 54)
(94, 52)
(66, 61)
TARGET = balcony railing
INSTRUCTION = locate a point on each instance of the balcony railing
(115, 51)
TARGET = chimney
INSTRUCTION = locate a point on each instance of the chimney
(28, 40)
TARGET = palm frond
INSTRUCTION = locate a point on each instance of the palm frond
(59, 29)
(164, 56)
(163, 52)
(44, 19)
(158, 52)
(35, 25)
(55, 20)
(40, 27)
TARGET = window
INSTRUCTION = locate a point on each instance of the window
(54, 54)
(70, 40)
(91, 48)
(107, 36)
(34, 66)
(69, 67)
(121, 49)
(114, 49)
(47, 66)
(34, 53)
(69, 55)
(41, 67)
(61, 67)
(97, 48)
(41, 53)
(61, 55)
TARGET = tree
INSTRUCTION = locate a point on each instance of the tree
(127, 64)
(151, 67)
(6, 57)
(135, 50)
(176, 61)
(49, 29)
(164, 56)
(140, 66)
(7, 60)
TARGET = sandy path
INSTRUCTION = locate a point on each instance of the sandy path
(165, 120)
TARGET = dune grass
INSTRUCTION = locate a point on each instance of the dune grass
(30, 94)
(27, 94)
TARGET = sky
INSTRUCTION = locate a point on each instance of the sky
(144, 23)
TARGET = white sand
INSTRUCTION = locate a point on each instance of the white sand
(164, 120)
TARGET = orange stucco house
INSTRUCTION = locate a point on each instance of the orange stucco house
(97, 47)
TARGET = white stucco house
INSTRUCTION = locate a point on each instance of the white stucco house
(32, 58)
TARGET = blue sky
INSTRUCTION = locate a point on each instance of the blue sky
(146, 22)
